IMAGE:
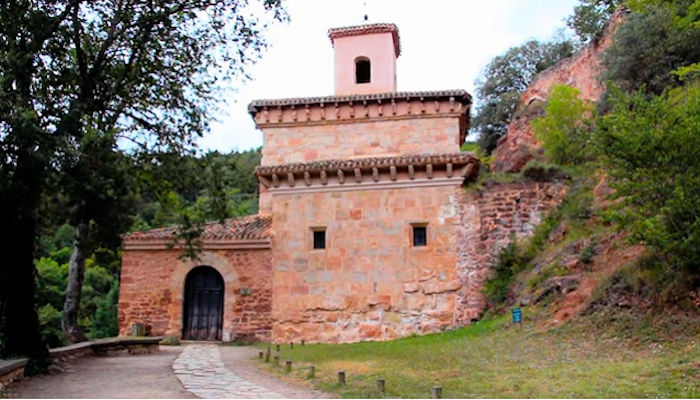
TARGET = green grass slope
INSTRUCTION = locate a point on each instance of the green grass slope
(589, 358)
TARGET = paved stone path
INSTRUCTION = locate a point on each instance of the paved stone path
(201, 370)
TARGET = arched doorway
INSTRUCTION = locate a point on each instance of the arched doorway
(204, 304)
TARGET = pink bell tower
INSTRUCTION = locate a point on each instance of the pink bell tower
(365, 58)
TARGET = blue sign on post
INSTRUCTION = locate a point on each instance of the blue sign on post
(517, 316)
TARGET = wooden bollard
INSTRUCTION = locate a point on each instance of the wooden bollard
(381, 385)
(291, 345)
(260, 355)
(277, 359)
(267, 354)
(437, 392)
(288, 366)
(278, 347)
(303, 342)
(311, 374)
(341, 377)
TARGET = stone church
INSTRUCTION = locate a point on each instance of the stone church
(367, 228)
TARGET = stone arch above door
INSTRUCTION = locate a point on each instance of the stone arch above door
(216, 260)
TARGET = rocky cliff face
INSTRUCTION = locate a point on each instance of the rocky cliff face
(580, 71)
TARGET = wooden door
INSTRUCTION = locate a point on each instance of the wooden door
(204, 304)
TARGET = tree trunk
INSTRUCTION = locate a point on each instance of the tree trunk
(19, 323)
(76, 273)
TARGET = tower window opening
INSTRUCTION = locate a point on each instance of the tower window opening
(362, 70)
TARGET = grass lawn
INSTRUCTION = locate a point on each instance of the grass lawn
(493, 359)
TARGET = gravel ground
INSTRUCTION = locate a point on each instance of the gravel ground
(121, 376)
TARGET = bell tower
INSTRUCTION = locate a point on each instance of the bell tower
(365, 58)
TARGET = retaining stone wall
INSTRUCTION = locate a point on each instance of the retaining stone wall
(489, 219)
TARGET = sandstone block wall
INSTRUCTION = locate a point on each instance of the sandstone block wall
(489, 219)
(439, 134)
(153, 284)
(369, 283)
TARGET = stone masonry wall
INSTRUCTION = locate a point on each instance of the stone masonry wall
(153, 283)
(489, 219)
(360, 139)
(369, 283)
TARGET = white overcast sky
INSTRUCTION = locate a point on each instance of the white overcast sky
(445, 44)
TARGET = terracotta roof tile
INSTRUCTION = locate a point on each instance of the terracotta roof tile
(369, 162)
(459, 95)
(244, 228)
(356, 30)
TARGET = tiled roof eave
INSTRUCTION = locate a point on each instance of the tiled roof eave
(459, 95)
(243, 229)
(462, 158)
(366, 29)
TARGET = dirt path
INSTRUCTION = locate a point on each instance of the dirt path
(122, 376)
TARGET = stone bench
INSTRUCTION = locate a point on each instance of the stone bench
(109, 346)
(10, 371)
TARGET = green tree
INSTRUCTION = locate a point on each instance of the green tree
(565, 130)
(502, 82)
(131, 71)
(98, 185)
(650, 148)
(590, 17)
(655, 41)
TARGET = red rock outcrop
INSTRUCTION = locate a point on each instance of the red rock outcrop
(581, 71)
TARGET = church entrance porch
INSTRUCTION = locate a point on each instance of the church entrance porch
(203, 308)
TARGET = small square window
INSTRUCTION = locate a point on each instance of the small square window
(320, 239)
(420, 236)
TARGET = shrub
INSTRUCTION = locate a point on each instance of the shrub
(586, 256)
(50, 325)
(543, 172)
(106, 323)
(510, 262)
(565, 130)
(650, 149)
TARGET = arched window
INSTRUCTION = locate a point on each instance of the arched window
(362, 70)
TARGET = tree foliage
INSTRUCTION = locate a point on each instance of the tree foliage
(212, 187)
(77, 73)
(657, 39)
(650, 147)
(591, 17)
(97, 314)
(566, 128)
(504, 79)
